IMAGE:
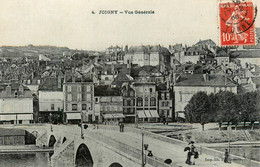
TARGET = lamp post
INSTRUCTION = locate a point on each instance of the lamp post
(143, 155)
(81, 130)
(51, 122)
(229, 128)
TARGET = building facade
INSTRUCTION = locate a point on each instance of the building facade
(79, 100)
(16, 105)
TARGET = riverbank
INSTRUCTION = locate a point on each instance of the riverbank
(23, 149)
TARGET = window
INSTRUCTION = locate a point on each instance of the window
(139, 101)
(96, 99)
(124, 102)
(162, 96)
(106, 78)
(69, 88)
(52, 106)
(128, 102)
(79, 88)
(69, 97)
(74, 107)
(153, 101)
(74, 88)
(88, 88)
(79, 97)
(151, 89)
(146, 101)
(84, 106)
(162, 103)
(74, 97)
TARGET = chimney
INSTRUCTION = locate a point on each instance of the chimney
(21, 89)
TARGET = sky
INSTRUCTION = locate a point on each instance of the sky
(71, 23)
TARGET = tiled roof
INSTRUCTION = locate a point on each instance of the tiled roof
(106, 90)
(222, 53)
(245, 54)
(198, 80)
(50, 84)
(141, 48)
(195, 49)
(14, 88)
(148, 69)
(12, 132)
(206, 42)
(120, 79)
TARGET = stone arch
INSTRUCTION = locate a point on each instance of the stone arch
(52, 141)
(115, 164)
(83, 156)
(64, 139)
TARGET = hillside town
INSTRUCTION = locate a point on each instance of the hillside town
(130, 84)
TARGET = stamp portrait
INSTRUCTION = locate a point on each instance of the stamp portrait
(237, 20)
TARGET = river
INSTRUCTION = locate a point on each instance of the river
(32, 159)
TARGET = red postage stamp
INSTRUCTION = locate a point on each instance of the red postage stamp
(237, 23)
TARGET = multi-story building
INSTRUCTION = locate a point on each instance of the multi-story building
(187, 85)
(128, 103)
(16, 104)
(148, 55)
(146, 101)
(51, 100)
(222, 58)
(79, 101)
(165, 99)
(109, 103)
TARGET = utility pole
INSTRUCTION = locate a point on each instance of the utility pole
(81, 127)
(143, 156)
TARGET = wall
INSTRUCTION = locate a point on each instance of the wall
(47, 98)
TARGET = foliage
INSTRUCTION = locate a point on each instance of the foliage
(223, 106)
(197, 109)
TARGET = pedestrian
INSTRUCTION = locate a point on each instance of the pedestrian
(120, 127)
(193, 153)
(226, 156)
(188, 155)
(123, 125)
(150, 154)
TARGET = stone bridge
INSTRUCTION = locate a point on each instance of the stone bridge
(94, 150)
(105, 146)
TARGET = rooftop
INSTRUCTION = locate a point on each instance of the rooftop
(199, 80)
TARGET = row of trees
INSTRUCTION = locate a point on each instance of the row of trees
(223, 106)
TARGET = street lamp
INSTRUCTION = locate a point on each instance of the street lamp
(82, 135)
(51, 122)
(143, 155)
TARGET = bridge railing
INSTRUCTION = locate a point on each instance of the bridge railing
(130, 151)
(204, 150)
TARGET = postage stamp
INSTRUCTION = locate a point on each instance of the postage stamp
(237, 19)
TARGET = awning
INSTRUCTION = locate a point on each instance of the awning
(154, 113)
(147, 113)
(73, 115)
(118, 115)
(7, 117)
(141, 114)
(180, 114)
(24, 116)
(111, 116)
(108, 116)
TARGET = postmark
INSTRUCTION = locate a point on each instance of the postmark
(237, 19)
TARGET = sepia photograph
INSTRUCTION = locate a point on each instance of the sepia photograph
(129, 83)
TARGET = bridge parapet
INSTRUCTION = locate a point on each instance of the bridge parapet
(63, 155)
(42, 140)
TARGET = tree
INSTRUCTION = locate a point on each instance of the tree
(248, 107)
(197, 110)
(226, 106)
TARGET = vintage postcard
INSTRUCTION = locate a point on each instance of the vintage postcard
(129, 83)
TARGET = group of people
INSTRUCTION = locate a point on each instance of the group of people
(192, 153)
